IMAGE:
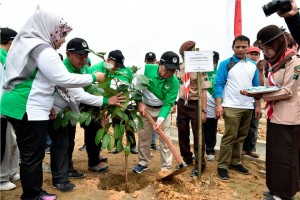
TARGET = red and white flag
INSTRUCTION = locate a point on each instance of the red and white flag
(238, 18)
(234, 22)
(187, 81)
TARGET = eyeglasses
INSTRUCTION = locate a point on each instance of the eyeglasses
(169, 70)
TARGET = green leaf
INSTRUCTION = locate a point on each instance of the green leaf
(94, 90)
(119, 145)
(99, 136)
(111, 144)
(74, 118)
(99, 54)
(142, 79)
(141, 86)
(109, 92)
(127, 150)
(123, 88)
(106, 140)
(131, 126)
(125, 104)
(118, 131)
(66, 118)
(83, 117)
(118, 112)
(88, 120)
(134, 69)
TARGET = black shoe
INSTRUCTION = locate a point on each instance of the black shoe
(103, 159)
(46, 196)
(99, 168)
(239, 168)
(195, 171)
(65, 186)
(47, 151)
(223, 174)
(134, 151)
(268, 194)
(188, 161)
(76, 174)
(82, 148)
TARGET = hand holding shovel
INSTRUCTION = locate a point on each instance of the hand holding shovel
(181, 165)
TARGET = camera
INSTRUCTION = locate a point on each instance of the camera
(277, 5)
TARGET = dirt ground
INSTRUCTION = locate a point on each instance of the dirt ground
(111, 185)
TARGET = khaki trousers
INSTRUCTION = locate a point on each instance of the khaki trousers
(145, 137)
(237, 124)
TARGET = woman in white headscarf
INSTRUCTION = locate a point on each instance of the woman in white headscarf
(33, 70)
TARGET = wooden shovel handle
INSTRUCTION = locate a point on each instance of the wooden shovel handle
(176, 155)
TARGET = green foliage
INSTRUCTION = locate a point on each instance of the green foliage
(127, 150)
(105, 141)
(126, 113)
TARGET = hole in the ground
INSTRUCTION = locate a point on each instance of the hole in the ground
(117, 182)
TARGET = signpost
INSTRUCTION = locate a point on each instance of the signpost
(199, 61)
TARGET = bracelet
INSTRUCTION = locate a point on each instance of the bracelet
(203, 110)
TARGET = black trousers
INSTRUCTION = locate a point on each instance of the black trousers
(61, 151)
(3, 123)
(31, 140)
(92, 149)
(185, 115)
(210, 131)
(282, 159)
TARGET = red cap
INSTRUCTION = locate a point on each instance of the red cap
(253, 49)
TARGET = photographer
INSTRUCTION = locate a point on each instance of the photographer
(292, 19)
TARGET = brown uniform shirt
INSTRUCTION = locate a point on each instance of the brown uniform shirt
(193, 94)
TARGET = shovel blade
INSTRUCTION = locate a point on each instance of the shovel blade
(174, 173)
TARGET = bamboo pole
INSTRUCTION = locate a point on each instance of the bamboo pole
(199, 124)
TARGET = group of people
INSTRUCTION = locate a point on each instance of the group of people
(38, 85)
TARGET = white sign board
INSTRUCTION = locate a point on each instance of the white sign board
(198, 61)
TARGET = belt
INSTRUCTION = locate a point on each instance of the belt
(153, 106)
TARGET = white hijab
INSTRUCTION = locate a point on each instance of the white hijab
(41, 28)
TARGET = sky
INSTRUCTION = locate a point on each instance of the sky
(137, 26)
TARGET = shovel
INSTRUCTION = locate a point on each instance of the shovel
(181, 165)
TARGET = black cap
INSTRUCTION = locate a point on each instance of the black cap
(118, 57)
(7, 34)
(78, 46)
(170, 60)
(150, 55)
(216, 56)
(267, 34)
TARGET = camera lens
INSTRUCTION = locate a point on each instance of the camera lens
(277, 5)
(270, 8)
